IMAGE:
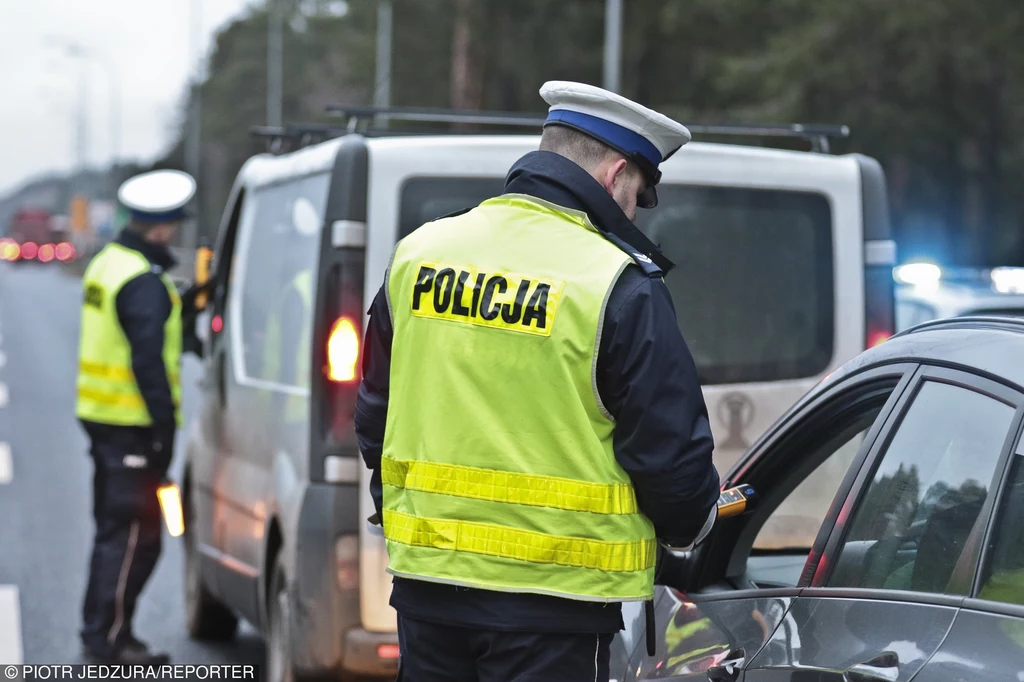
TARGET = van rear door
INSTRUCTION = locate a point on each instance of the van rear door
(413, 181)
(769, 278)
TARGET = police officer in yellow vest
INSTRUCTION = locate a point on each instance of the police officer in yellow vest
(530, 412)
(129, 402)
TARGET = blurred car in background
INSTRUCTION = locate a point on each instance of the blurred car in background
(927, 292)
(33, 236)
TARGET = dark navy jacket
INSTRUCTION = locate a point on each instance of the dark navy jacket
(143, 306)
(647, 380)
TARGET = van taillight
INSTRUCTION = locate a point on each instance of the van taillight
(338, 354)
(879, 304)
(343, 351)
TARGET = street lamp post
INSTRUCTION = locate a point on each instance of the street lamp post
(612, 44)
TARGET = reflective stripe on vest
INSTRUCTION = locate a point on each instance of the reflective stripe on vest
(107, 390)
(498, 467)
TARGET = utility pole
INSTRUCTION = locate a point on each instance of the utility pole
(193, 147)
(382, 79)
(382, 91)
(275, 56)
(612, 44)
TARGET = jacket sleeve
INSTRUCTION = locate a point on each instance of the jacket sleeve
(648, 382)
(372, 401)
(143, 306)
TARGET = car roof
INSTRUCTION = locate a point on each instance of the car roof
(985, 345)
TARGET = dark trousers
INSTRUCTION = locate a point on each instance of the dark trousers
(432, 652)
(127, 542)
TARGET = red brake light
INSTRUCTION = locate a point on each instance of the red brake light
(29, 250)
(342, 351)
(216, 324)
(46, 253)
(387, 651)
(877, 337)
(65, 251)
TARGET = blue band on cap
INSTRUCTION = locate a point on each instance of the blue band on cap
(621, 138)
(165, 217)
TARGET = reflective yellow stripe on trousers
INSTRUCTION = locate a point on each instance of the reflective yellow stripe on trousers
(511, 487)
(512, 543)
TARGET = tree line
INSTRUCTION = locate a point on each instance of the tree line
(931, 89)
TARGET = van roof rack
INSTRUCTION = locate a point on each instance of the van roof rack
(358, 116)
(366, 121)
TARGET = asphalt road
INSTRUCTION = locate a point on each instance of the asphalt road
(45, 489)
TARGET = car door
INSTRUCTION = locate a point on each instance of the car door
(986, 641)
(901, 557)
(729, 597)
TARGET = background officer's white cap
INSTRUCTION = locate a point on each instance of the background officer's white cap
(640, 134)
(158, 196)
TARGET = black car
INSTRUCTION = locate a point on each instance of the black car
(914, 566)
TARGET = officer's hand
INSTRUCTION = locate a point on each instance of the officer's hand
(162, 449)
(188, 297)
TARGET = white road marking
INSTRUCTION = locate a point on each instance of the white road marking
(10, 626)
(6, 464)
(3, 395)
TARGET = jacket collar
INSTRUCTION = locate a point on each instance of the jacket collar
(556, 179)
(159, 256)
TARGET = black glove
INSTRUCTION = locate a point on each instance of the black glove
(188, 296)
(162, 448)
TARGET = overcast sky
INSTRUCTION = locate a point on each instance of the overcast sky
(146, 44)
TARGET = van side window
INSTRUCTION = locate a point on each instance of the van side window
(753, 283)
(281, 252)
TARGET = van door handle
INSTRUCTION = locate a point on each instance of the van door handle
(729, 669)
(882, 668)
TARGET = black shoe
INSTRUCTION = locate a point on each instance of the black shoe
(133, 652)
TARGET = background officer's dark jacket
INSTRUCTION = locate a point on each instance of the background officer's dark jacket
(647, 379)
(143, 306)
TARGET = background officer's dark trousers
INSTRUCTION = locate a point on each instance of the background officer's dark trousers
(127, 542)
(432, 652)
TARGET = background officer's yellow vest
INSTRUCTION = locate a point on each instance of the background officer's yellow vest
(498, 467)
(296, 407)
(107, 391)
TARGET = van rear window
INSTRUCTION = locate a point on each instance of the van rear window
(753, 283)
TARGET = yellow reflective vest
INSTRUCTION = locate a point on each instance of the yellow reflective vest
(498, 467)
(107, 390)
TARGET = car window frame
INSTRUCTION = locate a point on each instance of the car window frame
(710, 566)
(962, 378)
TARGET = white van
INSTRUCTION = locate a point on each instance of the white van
(783, 272)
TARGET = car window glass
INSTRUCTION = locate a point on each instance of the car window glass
(279, 281)
(912, 523)
(1004, 579)
(749, 310)
(794, 524)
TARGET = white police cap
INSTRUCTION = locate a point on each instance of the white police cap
(157, 196)
(640, 134)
